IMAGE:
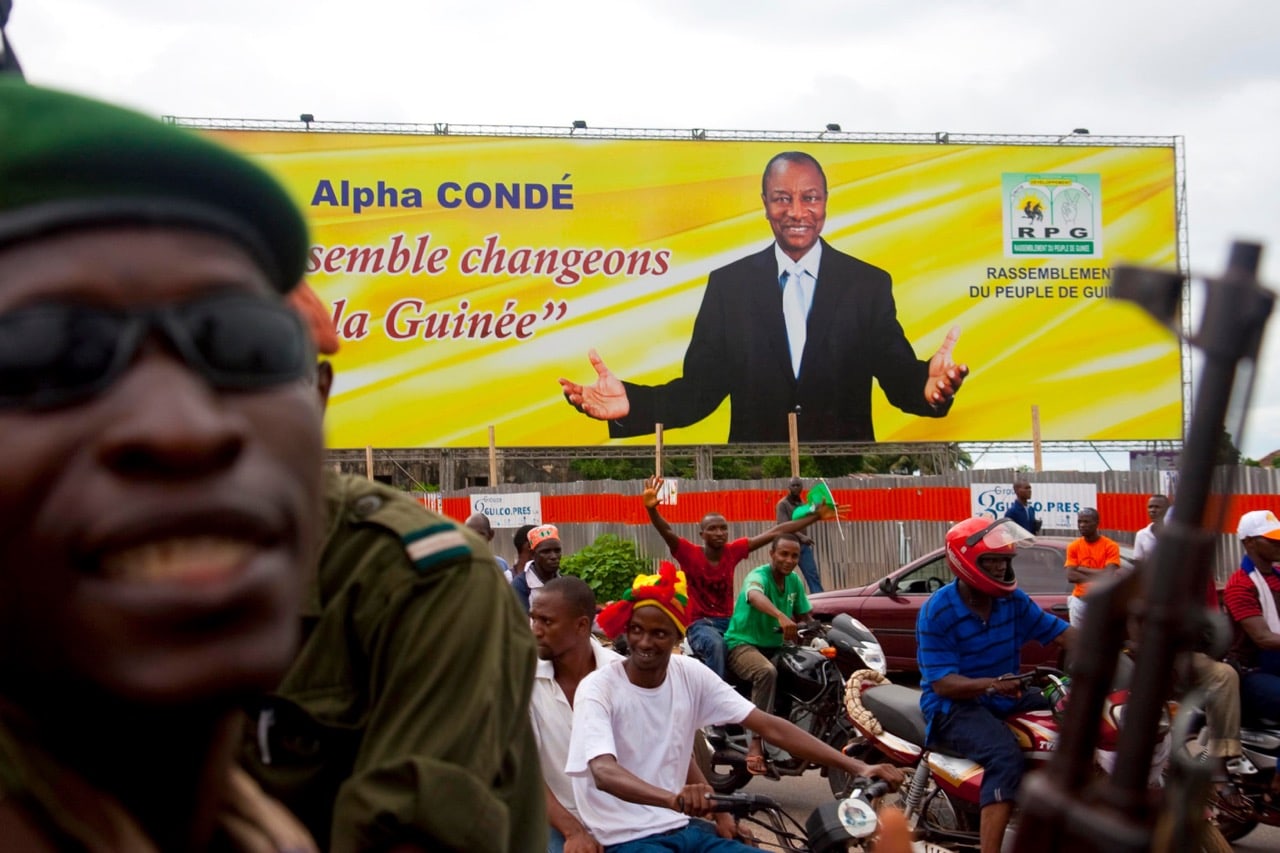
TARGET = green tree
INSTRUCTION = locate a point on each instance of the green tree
(629, 469)
(734, 468)
(933, 460)
(608, 566)
(678, 466)
(611, 469)
(772, 467)
(810, 467)
(1228, 453)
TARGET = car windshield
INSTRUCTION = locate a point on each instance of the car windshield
(1040, 570)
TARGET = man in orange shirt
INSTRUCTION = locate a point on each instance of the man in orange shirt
(1090, 558)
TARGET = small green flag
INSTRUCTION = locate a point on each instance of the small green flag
(819, 494)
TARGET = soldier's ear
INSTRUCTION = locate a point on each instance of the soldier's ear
(324, 381)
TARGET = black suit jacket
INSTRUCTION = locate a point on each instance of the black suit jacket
(739, 349)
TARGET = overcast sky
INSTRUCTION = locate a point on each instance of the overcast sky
(1209, 72)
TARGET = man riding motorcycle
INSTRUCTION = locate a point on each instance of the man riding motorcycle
(969, 634)
(771, 602)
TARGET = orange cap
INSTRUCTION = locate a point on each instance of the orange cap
(312, 311)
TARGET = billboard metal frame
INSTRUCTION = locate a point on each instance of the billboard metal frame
(1084, 140)
(705, 453)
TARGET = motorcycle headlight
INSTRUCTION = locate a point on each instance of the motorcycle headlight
(873, 657)
(1117, 715)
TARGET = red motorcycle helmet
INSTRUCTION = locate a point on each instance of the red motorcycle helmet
(978, 537)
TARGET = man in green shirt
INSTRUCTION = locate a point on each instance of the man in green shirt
(770, 604)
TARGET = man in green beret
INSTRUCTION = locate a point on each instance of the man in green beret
(162, 490)
(404, 721)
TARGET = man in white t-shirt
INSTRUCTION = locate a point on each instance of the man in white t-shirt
(634, 722)
(1144, 541)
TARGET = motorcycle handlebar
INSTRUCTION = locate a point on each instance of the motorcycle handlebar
(875, 789)
(1039, 675)
(741, 805)
(806, 631)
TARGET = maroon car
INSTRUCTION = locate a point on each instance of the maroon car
(890, 606)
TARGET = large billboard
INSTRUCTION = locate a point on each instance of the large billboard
(467, 275)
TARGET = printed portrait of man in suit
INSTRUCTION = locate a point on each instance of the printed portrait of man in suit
(798, 327)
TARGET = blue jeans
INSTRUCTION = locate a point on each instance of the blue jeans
(555, 842)
(970, 729)
(706, 638)
(809, 568)
(1259, 695)
(698, 837)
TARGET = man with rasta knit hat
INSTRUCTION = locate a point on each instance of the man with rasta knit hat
(634, 722)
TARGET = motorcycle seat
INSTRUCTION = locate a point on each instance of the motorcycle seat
(898, 710)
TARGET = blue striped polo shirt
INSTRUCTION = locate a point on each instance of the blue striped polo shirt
(951, 639)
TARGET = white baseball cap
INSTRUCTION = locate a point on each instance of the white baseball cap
(1260, 522)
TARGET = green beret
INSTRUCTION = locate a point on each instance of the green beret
(68, 162)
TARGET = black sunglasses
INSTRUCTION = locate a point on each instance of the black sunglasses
(56, 354)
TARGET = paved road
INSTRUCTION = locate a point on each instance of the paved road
(801, 795)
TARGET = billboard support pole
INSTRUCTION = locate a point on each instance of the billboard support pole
(493, 458)
(1035, 438)
(657, 450)
(368, 461)
(793, 437)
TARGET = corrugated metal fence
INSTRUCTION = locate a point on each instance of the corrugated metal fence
(909, 515)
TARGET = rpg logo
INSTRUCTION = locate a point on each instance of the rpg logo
(1052, 215)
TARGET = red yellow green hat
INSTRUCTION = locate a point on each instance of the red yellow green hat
(666, 590)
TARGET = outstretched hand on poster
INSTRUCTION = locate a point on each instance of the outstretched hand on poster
(945, 376)
(606, 400)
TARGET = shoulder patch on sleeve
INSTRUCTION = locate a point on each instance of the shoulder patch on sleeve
(436, 545)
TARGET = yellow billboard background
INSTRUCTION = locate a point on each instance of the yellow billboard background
(931, 215)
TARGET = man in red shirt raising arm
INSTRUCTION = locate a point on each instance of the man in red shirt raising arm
(709, 570)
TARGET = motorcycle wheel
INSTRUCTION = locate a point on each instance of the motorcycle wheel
(724, 778)
(1233, 827)
(841, 782)
(1232, 823)
(1213, 840)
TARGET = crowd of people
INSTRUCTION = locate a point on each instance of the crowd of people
(211, 642)
(970, 632)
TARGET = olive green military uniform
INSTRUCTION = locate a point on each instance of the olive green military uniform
(406, 714)
(47, 805)
(44, 805)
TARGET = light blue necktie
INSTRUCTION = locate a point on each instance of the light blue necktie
(794, 313)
